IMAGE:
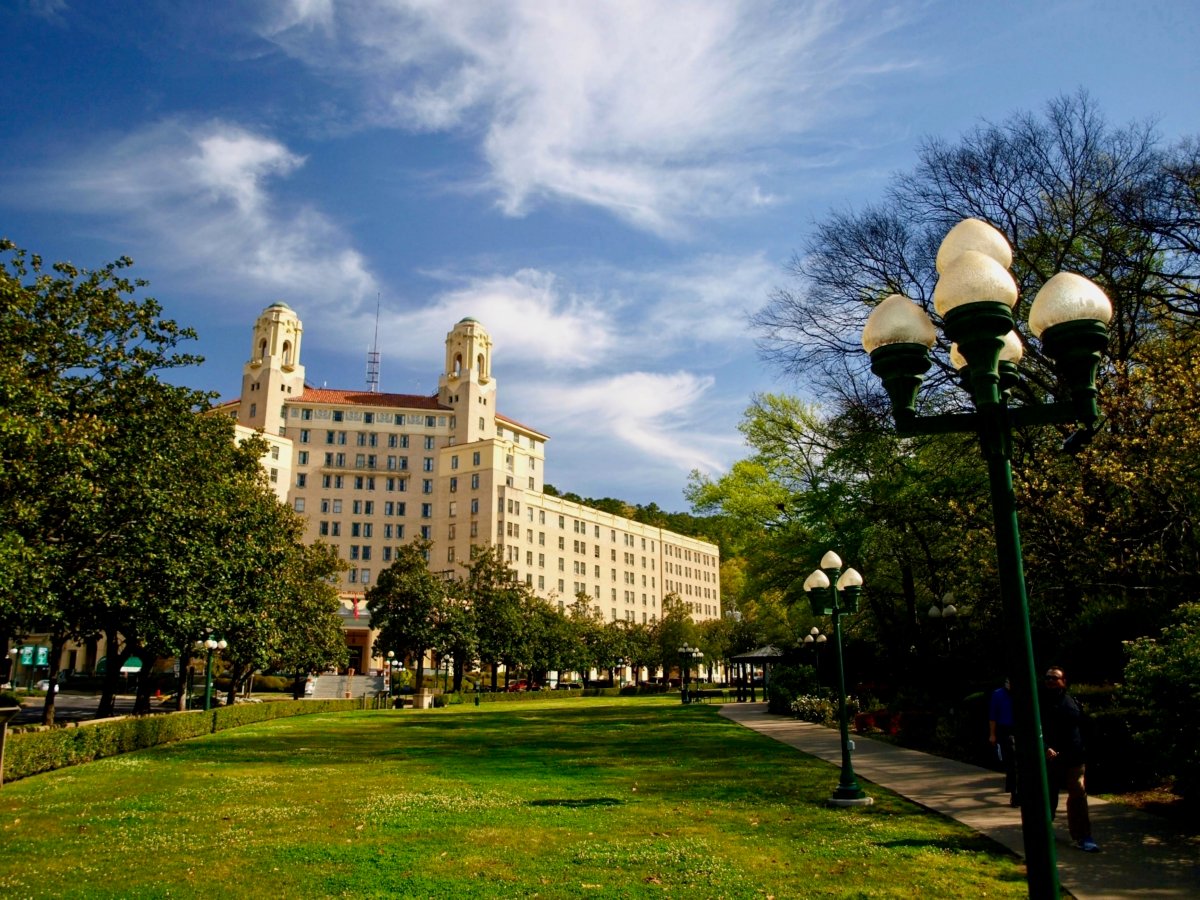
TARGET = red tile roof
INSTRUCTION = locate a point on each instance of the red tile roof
(394, 401)
(366, 398)
(504, 418)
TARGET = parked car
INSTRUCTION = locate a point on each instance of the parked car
(514, 686)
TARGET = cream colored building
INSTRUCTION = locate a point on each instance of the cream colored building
(371, 471)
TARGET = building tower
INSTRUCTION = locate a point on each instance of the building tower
(467, 385)
(273, 376)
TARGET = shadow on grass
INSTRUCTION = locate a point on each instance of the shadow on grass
(581, 803)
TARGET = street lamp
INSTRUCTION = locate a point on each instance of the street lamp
(687, 653)
(815, 639)
(12, 666)
(974, 296)
(208, 645)
(947, 613)
(833, 592)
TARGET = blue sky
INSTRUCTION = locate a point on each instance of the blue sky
(610, 187)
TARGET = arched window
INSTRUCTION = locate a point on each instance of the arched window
(479, 366)
(458, 364)
(287, 352)
(262, 349)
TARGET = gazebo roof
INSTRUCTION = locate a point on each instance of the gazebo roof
(762, 654)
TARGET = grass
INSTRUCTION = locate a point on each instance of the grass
(602, 798)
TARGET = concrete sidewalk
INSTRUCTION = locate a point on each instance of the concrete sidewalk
(1141, 855)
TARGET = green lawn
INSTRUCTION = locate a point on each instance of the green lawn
(629, 797)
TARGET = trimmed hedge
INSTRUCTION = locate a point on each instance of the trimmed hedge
(32, 752)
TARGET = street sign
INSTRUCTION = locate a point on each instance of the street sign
(43, 656)
(27, 655)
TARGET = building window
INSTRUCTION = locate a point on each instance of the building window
(474, 507)
(427, 486)
(426, 532)
(475, 458)
(426, 510)
(454, 462)
(301, 480)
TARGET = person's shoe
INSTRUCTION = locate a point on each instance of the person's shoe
(1087, 845)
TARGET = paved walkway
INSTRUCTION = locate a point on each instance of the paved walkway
(1142, 856)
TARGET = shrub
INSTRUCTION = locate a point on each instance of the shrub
(1162, 678)
(45, 749)
(787, 683)
(812, 708)
(8, 698)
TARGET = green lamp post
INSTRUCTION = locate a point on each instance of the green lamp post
(833, 592)
(975, 296)
(209, 645)
(815, 640)
(687, 653)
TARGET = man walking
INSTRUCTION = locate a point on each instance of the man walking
(1003, 739)
(1065, 756)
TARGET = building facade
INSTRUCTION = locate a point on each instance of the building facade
(370, 471)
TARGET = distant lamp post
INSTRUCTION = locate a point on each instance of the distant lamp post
(208, 646)
(833, 592)
(815, 640)
(12, 666)
(687, 653)
(387, 672)
(975, 296)
(947, 613)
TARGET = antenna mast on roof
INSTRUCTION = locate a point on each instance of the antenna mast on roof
(373, 356)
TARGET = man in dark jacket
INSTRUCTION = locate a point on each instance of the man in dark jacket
(1065, 756)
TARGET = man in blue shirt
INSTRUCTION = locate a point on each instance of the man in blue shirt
(1002, 738)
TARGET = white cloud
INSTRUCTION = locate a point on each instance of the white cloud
(656, 414)
(199, 197)
(659, 112)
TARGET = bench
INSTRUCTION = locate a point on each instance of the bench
(709, 694)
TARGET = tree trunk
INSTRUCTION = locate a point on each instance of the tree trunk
(181, 682)
(141, 703)
(112, 675)
(420, 666)
(495, 675)
(56, 647)
(460, 666)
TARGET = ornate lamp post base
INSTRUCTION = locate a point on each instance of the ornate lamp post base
(863, 800)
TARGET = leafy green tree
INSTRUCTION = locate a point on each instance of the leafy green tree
(405, 604)
(640, 649)
(673, 629)
(587, 625)
(76, 351)
(310, 636)
(551, 638)
(457, 633)
(498, 601)
(610, 649)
